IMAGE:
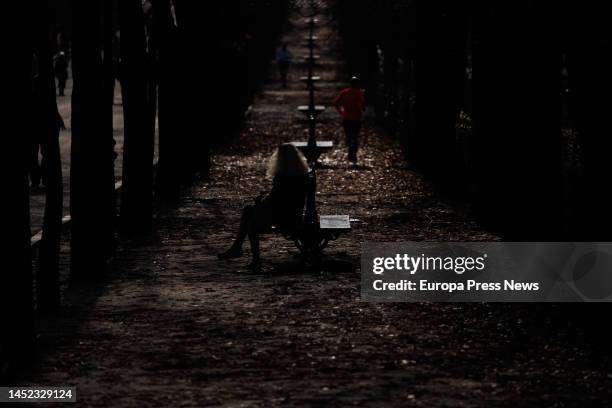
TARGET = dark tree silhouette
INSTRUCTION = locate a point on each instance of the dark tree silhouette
(544, 210)
(138, 144)
(211, 57)
(17, 336)
(91, 173)
(506, 160)
(589, 69)
(47, 278)
(170, 135)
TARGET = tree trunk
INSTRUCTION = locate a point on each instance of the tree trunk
(426, 75)
(111, 72)
(544, 220)
(589, 70)
(17, 337)
(500, 67)
(47, 278)
(170, 135)
(138, 144)
(447, 59)
(91, 185)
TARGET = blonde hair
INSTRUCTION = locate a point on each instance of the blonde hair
(287, 160)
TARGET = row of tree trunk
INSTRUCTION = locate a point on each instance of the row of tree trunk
(30, 116)
(474, 91)
(186, 68)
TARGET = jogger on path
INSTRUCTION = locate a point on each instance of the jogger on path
(350, 104)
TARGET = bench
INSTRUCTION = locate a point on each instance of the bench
(312, 39)
(335, 223)
(314, 232)
(309, 80)
(305, 109)
(330, 223)
(312, 58)
(311, 239)
(321, 144)
(322, 147)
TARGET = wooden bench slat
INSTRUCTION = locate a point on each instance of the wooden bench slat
(321, 144)
(306, 108)
(335, 222)
(306, 79)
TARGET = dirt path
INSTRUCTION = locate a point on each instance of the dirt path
(175, 327)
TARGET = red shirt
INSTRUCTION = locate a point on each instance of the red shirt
(350, 103)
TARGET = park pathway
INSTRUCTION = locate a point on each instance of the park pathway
(173, 326)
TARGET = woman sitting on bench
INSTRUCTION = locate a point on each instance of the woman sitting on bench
(283, 207)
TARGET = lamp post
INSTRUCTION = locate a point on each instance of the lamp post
(317, 230)
(311, 237)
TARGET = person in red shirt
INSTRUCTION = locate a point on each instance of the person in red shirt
(350, 104)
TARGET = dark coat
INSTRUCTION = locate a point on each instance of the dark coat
(284, 204)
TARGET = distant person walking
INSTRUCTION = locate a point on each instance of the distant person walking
(350, 104)
(61, 72)
(283, 59)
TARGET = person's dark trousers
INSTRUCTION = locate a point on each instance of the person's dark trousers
(352, 128)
